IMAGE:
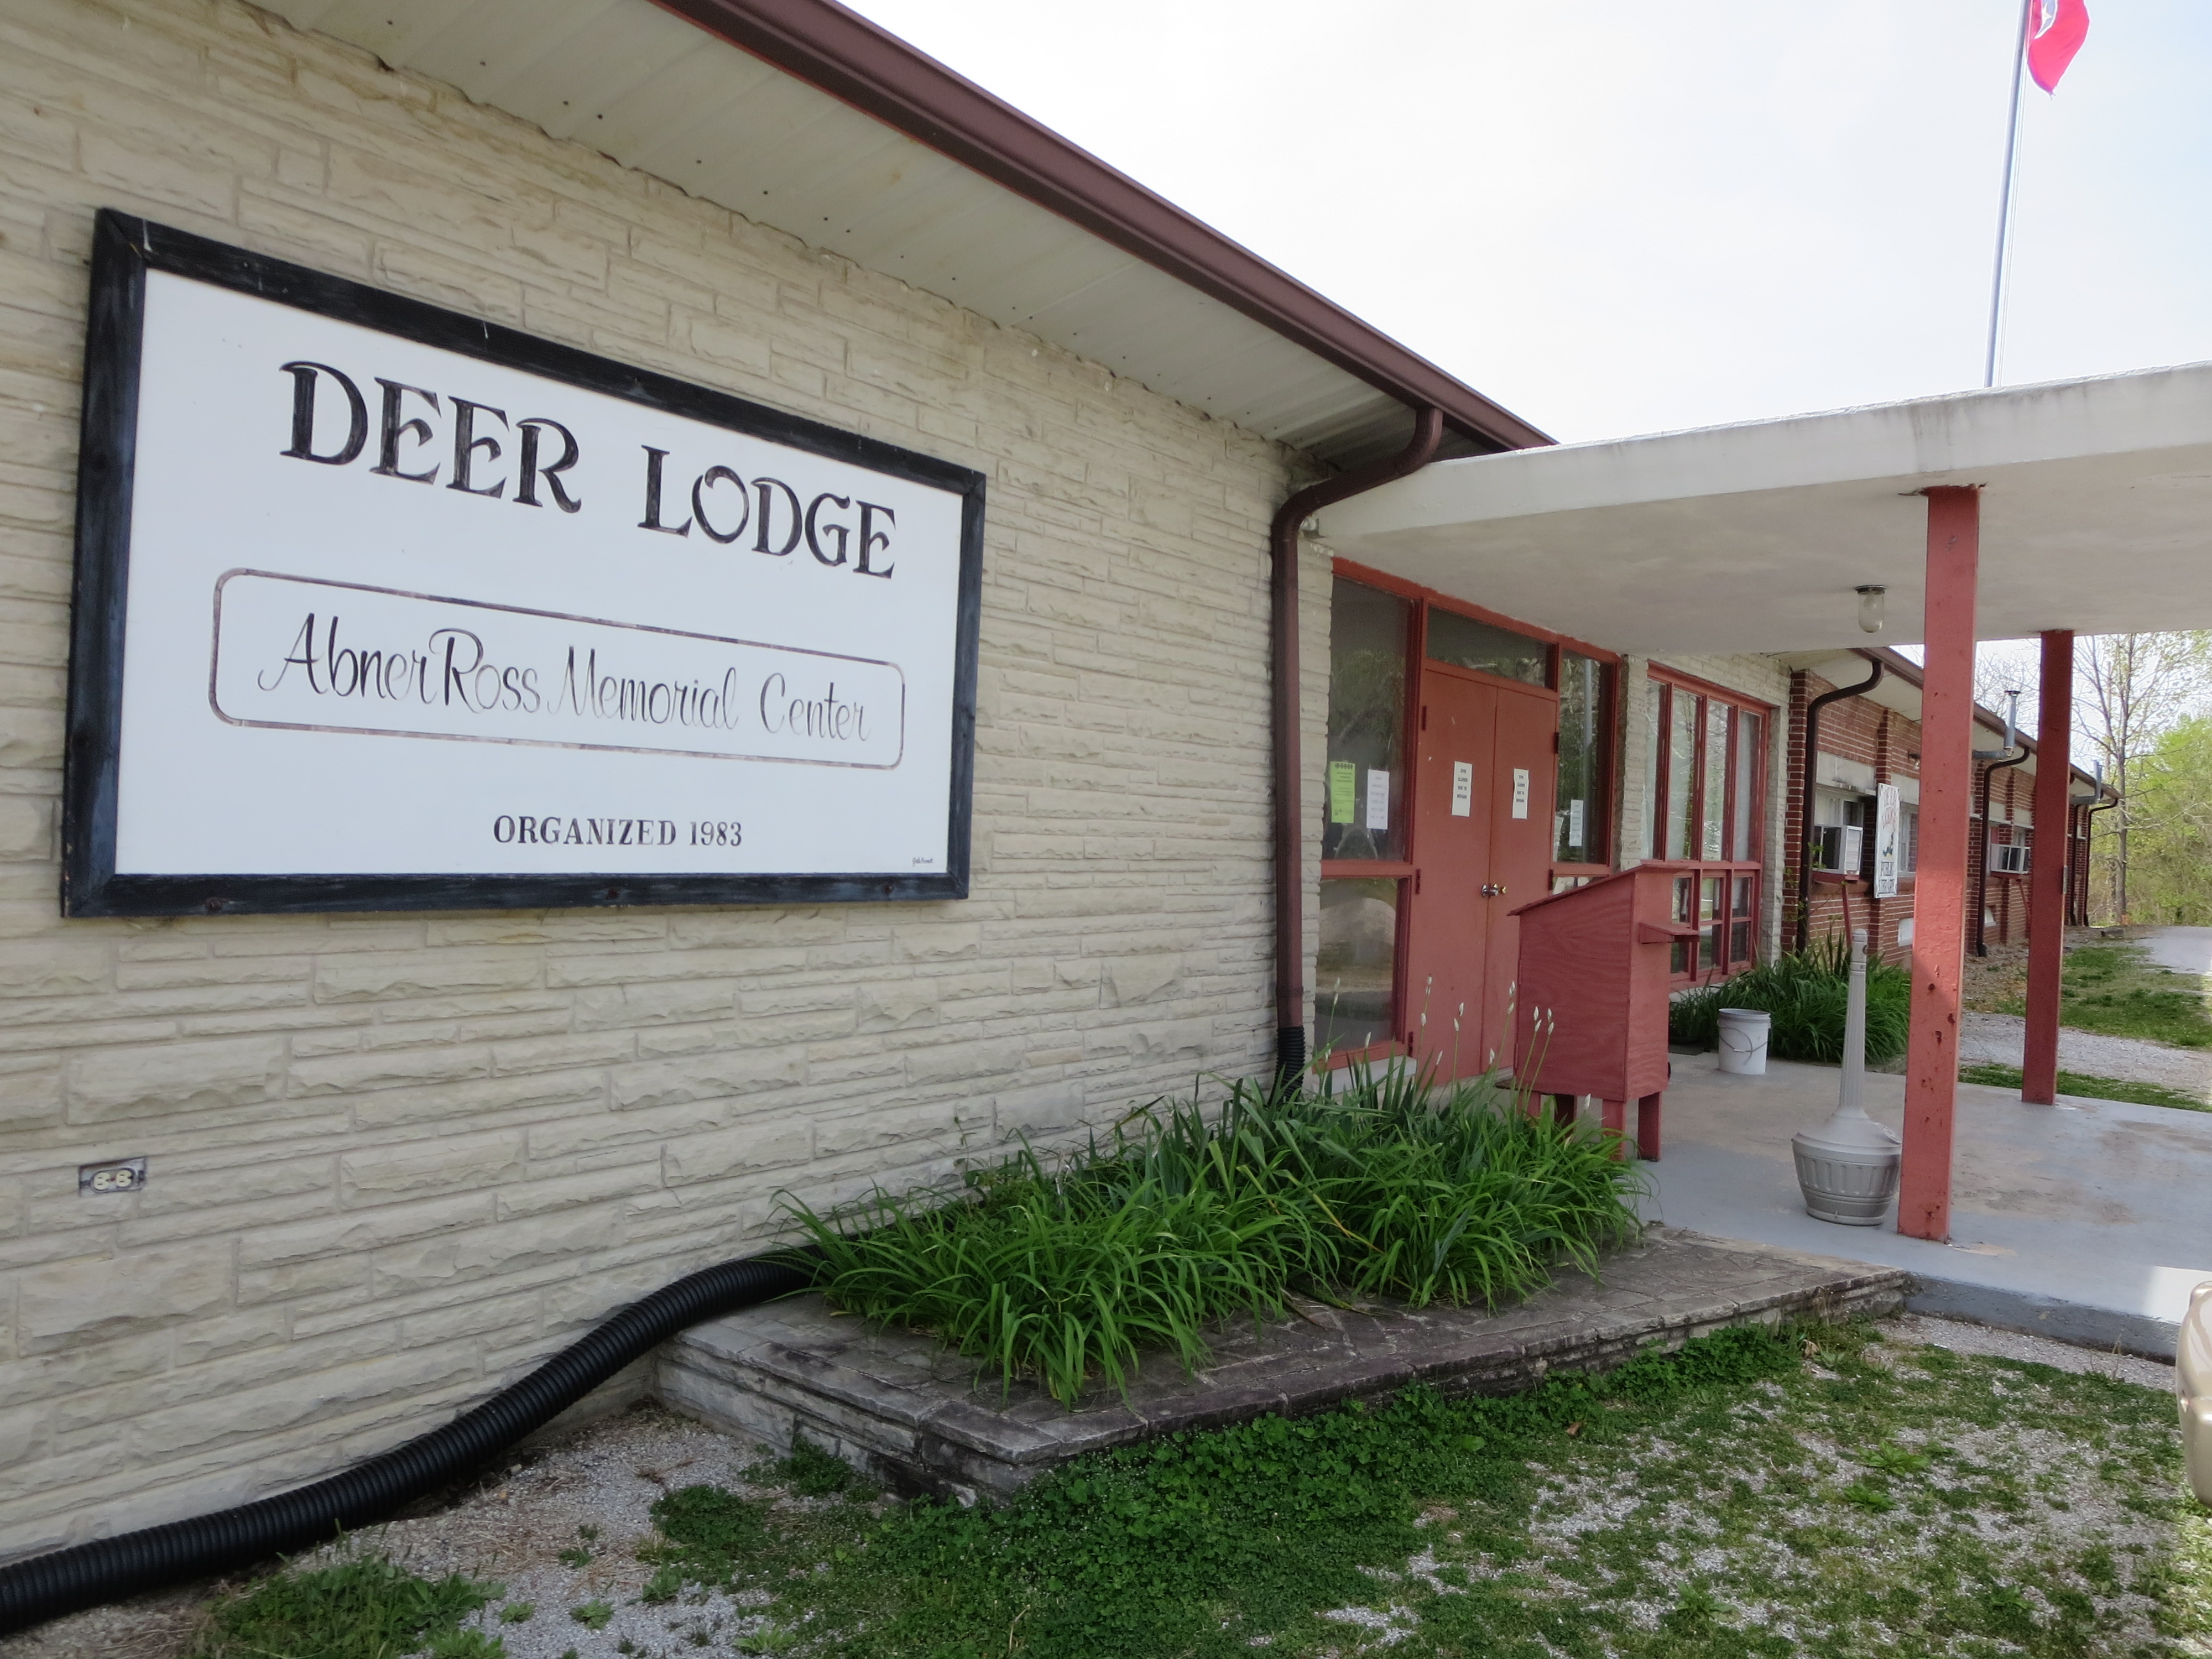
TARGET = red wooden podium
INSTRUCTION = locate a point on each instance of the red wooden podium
(1590, 998)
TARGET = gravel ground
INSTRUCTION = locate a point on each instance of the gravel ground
(1996, 1039)
(1962, 1338)
(511, 1530)
(511, 1527)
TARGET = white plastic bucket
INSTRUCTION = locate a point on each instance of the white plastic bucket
(1743, 1040)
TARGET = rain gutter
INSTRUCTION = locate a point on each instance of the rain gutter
(880, 74)
(1289, 763)
(1805, 803)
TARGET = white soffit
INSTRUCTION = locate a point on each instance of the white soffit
(657, 94)
(2096, 515)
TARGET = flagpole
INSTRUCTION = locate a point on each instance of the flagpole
(2004, 202)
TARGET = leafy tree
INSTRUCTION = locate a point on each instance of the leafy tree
(2171, 831)
(2130, 689)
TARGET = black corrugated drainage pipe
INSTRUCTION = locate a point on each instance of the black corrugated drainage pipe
(46, 1586)
(1805, 805)
(1289, 765)
(1982, 881)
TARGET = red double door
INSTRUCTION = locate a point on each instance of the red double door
(1485, 778)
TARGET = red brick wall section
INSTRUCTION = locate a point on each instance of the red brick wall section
(1859, 730)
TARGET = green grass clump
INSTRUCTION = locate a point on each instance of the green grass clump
(1388, 1186)
(2117, 990)
(1807, 992)
(1867, 1500)
(2090, 1087)
(812, 1472)
(362, 1609)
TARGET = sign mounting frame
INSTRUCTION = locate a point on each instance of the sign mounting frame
(125, 250)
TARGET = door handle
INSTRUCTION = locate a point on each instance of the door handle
(1493, 890)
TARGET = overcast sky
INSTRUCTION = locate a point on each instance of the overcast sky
(1617, 218)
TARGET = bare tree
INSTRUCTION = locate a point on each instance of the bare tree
(2002, 667)
(2128, 689)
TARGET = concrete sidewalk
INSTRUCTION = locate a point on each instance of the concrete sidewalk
(2183, 950)
(2089, 1221)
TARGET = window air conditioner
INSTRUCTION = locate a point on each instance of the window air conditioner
(1836, 847)
(2009, 859)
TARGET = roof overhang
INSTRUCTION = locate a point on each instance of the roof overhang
(803, 116)
(2096, 516)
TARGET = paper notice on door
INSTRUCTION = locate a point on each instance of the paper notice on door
(1342, 782)
(1462, 788)
(1378, 799)
(1520, 791)
(1574, 824)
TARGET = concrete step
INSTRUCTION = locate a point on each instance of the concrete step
(897, 1404)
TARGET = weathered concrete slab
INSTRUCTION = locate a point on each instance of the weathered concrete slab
(2084, 1221)
(921, 1420)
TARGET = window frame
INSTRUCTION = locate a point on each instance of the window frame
(1736, 862)
(1612, 774)
(1608, 785)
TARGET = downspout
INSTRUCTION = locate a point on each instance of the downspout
(1289, 762)
(2090, 847)
(1982, 881)
(1805, 792)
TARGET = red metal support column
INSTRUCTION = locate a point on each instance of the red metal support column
(1939, 911)
(2048, 867)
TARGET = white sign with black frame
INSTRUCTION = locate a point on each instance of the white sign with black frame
(381, 606)
(1888, 840)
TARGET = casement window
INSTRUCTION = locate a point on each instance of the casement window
(1585, 777)
(1364, 819)
(1708, 768)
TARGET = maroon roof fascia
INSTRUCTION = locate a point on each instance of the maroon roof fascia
(851, 58)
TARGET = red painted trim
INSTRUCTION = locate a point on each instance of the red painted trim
(1366, 576)
(1388, 1049)
(1939, 924)
(1709, 688)
(2047, 875)
(877, 73)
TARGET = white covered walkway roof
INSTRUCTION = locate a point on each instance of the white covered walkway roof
(2096, 515)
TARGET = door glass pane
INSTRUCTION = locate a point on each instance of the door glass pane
(1681, 764)
(1654, 840)
(1466, 643)
(1743, 842)
(1685, 889)
(1580, 838)
(1716, 779)
(1739, 943)
(1355, 970)
(1710, 890)
(1362, 802)
(1741, 904)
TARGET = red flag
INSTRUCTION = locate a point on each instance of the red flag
(2056, 29)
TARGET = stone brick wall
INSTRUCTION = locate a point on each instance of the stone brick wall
(397, 1159)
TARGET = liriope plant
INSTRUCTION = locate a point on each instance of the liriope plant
(1372, 1181)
